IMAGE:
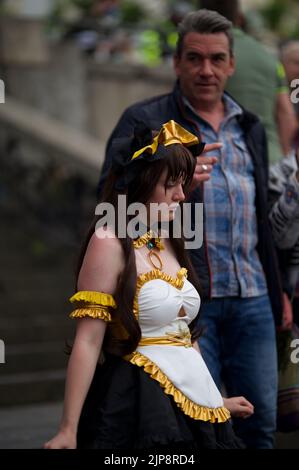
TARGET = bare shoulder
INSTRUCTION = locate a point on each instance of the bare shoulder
(105, 246)
(105, 238)
(102, 264)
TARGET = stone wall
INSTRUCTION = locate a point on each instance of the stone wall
(111, 88)
(46, 208)
(46, 198)
(64, 83)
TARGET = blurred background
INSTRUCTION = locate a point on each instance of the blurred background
(70, 67)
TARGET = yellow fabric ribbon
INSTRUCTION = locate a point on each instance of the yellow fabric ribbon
(99, 298)
(92, 304)
(92, 311)
(180, 338)
(170, 133)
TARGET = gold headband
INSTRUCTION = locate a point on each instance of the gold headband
(170, 133)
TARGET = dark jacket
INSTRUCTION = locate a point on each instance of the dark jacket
(160, 109)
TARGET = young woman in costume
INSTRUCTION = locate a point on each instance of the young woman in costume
(136, 378)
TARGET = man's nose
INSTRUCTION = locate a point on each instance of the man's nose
(206, 68)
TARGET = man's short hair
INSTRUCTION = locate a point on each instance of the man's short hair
(204, 22)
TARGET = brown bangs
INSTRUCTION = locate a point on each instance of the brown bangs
(180, 163)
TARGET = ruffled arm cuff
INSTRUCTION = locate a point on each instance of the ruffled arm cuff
(92, 304)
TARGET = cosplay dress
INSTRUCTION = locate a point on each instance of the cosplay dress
(162, 395)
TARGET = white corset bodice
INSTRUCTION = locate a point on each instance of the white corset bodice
(164, 307)
(159, 299)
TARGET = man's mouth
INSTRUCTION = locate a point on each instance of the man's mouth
(205, 84)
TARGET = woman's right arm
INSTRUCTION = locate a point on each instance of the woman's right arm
(80, 371)
(102, 264)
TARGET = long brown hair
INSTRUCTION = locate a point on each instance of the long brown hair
(123, 335)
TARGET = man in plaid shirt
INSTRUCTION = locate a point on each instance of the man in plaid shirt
(237, 263)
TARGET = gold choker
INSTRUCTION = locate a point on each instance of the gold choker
(152, 242)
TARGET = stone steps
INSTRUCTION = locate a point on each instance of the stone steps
(33, 357)
(19, 277)
(30, 304)
(31, 387)
(37, 276)
(37, 330)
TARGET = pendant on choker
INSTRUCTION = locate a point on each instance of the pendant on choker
(152, 242)
(152, 255)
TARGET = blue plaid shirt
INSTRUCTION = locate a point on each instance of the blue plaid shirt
(229, 202)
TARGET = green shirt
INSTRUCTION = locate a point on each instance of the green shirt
(258, 78)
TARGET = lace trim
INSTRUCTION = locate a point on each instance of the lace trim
(176, 282)
(188, 407)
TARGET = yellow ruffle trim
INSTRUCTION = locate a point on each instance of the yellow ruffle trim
(177, 282)
(96, 312)
(98, 298)
(188, 407)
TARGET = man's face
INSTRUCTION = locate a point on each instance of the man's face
(204, 67)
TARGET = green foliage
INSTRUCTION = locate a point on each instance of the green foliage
(282, 17)
(295, 33)
(84, 5)
(273, 12)
(131, 12)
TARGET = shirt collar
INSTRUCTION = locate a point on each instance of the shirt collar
(232, 109)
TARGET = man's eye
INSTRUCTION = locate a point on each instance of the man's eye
(192, 58)
(218, 58)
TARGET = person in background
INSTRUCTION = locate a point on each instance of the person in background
(259, 83)
(284, 218)
(236, 264)
(289, 55)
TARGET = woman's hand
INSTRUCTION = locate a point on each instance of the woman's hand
(65, 439)
(239, 407)
(204, 165)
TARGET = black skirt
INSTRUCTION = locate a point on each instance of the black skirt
(127, 409)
